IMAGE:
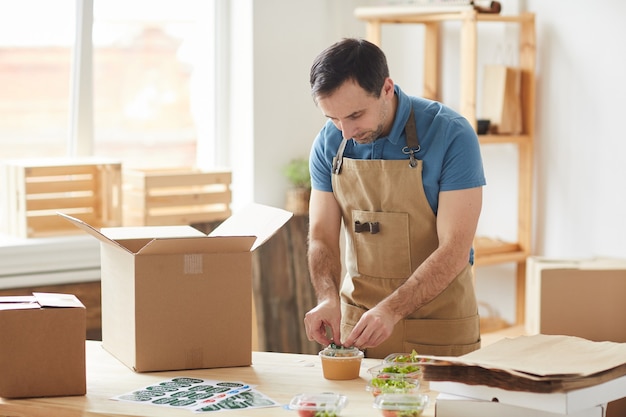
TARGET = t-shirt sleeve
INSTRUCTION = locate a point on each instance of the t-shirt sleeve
(321, 159)
(462, 165)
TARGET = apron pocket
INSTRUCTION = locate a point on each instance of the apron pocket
(386, 252)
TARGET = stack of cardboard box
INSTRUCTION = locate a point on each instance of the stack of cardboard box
(531, 376)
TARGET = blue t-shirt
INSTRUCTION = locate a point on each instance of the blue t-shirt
(448, 147)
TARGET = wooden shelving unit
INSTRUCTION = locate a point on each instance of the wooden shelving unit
(489, 251)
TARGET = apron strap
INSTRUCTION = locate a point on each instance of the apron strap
(412, 142)
(339, 157)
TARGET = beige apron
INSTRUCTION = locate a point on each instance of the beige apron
(390, 230)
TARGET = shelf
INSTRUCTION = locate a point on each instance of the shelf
(502, 139)
(421, 14)
(487, 251)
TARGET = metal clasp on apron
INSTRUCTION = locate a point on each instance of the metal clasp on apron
(372, 227)
(411, 152)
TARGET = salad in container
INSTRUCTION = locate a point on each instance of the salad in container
(393, 385)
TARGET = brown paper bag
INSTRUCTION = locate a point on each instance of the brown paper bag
(501, 100)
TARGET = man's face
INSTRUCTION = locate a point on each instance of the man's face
(359, 115)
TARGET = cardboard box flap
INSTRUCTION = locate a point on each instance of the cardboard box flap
(57, 300)
(137, 238)
(91, 230)
(18, 302)
(255, 219)
(149, 232)
(583, 264)
(226, 244)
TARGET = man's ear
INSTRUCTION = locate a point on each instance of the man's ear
(388, 90)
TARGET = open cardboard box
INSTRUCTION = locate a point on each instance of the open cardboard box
(174, 298)
(42, 346)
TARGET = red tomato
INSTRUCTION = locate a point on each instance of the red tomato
(389, 413)
(307, 413)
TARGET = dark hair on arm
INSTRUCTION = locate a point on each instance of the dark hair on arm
(350, 58)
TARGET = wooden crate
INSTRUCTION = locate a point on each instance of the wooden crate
(34, 190)
(181, 196)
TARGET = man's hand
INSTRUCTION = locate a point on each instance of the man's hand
(325, 314)
(373, 328)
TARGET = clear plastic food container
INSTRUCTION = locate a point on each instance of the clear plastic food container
(341, 351)
(326, 404)
(392, 370)
(403, 359)
(393, 385)
(401, 405)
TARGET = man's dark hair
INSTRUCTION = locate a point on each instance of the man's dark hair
(347, 59)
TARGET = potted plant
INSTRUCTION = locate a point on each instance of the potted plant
(297, 173)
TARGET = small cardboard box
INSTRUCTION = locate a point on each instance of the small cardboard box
(174, 298)
(583, 298)
(42, 346)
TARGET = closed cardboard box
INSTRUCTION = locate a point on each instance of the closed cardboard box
(449, 405)
(564, 403)
(42, 346)
(583, 298)
(174, 298)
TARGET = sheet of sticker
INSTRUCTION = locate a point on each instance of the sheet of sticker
(199, 395)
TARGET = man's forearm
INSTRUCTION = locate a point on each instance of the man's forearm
(325, 269)
(428, 281)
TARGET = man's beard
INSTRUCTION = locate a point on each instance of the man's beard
(371, 137)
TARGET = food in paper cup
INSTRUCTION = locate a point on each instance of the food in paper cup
(341, 363)
(326, 404)
(401, 405)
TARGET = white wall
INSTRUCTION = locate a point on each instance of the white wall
(273, 117)
(581, 152)
(580, 200)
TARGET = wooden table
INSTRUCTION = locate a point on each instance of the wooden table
(279, 376)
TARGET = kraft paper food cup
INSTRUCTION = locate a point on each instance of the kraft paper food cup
(341, 363)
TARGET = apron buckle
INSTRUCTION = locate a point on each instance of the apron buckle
(411, 152)
(372, 227)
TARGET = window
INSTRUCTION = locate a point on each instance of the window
(152, 71)
(35, 67)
